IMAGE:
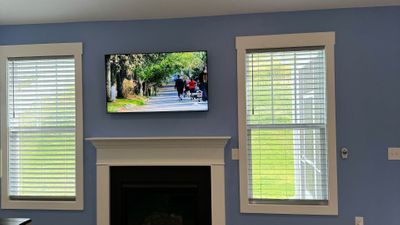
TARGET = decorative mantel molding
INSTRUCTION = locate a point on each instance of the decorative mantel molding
(164, 142)
(160, 151)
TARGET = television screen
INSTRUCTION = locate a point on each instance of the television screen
(157, 82)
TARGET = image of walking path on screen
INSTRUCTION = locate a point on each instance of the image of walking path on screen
(157, 82)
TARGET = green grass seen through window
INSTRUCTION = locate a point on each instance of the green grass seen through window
(269, 98)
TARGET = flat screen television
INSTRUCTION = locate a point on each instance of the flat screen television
(157, 82)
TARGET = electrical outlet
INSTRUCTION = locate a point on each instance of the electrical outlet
(235, 154)
(359, 220)
(394, 153)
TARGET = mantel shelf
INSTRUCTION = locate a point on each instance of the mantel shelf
(114, 143)
(159, 138)
(160, 150)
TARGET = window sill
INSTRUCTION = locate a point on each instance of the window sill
(290, 209)
(44, 205)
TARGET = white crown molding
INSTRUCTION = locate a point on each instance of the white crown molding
(61, 11)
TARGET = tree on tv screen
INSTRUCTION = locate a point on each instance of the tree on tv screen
(135, 75)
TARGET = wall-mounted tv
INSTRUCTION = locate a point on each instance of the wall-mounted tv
(157, 82)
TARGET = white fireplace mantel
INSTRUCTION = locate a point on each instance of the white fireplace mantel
(160, 151)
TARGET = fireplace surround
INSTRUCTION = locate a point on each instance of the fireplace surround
(171, 152)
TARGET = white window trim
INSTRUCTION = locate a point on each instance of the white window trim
(38, 50)
(326, 39)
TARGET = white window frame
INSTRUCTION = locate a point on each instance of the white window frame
(42, 50)
(243, 43)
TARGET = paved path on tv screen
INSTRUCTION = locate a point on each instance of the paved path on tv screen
(167, 100)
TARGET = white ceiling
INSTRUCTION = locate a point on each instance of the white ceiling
(55, 11)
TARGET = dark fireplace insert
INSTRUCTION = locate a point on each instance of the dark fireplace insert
(160, 195)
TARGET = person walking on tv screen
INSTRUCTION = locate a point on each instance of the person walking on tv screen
(192, 87)
(179, 85)
(186, 90)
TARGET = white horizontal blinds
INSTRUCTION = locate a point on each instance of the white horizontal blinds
(286, 125)
(41, 128)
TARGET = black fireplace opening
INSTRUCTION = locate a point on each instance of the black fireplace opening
(160, 195)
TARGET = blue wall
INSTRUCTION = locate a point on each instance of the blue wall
(367, 97)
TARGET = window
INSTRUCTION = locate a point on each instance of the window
(41, 126)
(287, 124)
